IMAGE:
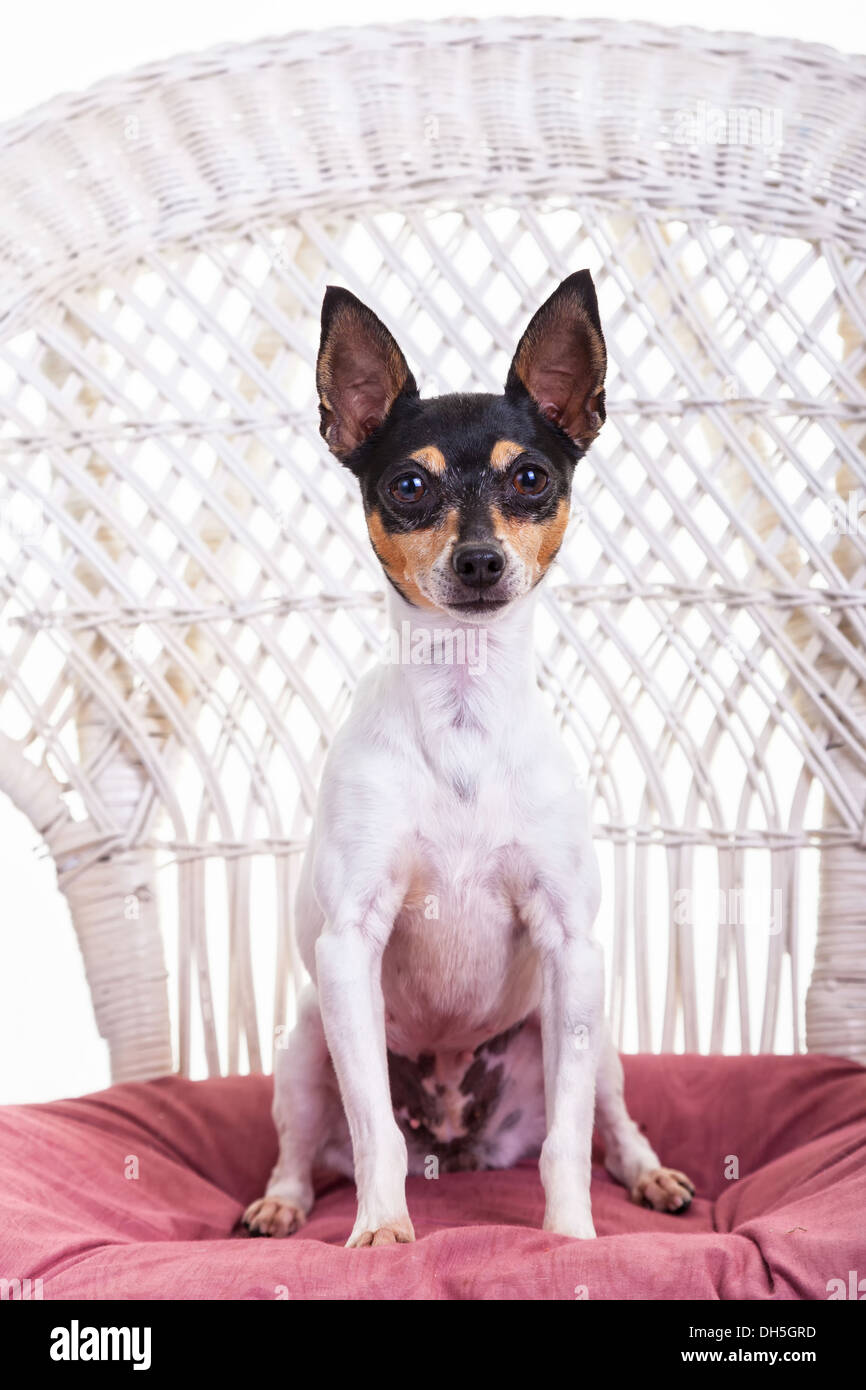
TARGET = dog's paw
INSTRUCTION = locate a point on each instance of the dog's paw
(399, 1232)
(272, 1216)
(664, 1189)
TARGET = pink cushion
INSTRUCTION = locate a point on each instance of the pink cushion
(792, 1220)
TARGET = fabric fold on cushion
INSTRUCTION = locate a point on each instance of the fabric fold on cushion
(137, 1192)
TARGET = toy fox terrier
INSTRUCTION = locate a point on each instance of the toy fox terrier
(446, 904)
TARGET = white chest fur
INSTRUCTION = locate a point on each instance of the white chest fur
(449, 788)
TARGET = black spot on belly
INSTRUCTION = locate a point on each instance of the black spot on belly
(421, 1108)
(409, 1094)
(511, 1119)
(483, 1085)
(499, 1044)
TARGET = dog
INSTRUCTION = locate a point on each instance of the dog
(447, 898)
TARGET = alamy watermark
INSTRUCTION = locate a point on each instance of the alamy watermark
(706, 124)
(438, 646)
(21, 1290)
(853, 1288)
(732, 907)
(77, 1343)
(848, 514)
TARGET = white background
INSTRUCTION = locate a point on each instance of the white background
(52, 46)
(48, 1043)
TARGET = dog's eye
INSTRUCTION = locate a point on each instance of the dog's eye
(409, 487)
(530, 482)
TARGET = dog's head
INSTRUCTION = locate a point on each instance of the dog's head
(466, 496)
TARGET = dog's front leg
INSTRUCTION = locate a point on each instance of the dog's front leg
(348, 970)
(571, 1019)
(572, 1011)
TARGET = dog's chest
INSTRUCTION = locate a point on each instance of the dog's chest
(459, 967)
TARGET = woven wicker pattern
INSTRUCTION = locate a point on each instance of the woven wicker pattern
(189, 592)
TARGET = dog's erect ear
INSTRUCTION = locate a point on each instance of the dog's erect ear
(561, 360)
(359, 374)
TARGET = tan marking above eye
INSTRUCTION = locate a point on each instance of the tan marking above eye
(534, 542)
(405, 555)
(431, 458)
(503, 454)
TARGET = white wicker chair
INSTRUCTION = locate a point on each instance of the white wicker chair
(189, 594)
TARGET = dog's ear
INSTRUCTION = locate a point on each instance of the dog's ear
(360, 372)
(561, 360)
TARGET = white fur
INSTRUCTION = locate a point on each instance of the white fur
(448, 892)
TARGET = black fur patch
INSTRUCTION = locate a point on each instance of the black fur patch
(420, 1108)
(465, 428)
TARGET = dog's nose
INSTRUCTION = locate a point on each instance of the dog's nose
(478, 566)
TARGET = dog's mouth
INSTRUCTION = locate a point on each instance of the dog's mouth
(478, 607)
(484, 600)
